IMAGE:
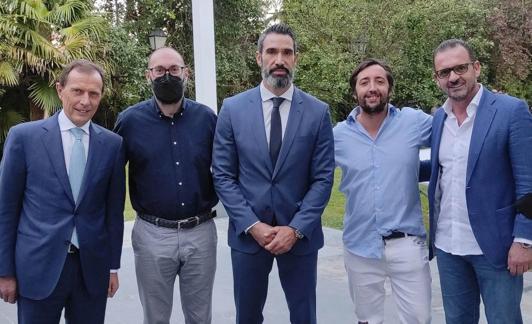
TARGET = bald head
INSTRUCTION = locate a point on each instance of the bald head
(166, 58)
(166, 55)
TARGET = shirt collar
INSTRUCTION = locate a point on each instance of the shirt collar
(160, 113)
(356, 111)
(66, 124)
(471, 108)
(266, 94)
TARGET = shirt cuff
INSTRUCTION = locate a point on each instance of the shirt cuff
(247, 229)
(113, 271)
(522, 240)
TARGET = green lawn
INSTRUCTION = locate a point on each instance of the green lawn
(129, 212)
(334, 213)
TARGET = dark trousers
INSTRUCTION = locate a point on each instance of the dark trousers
(298, 279)
(70, 294)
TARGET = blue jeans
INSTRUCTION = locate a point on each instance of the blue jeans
(464, 279)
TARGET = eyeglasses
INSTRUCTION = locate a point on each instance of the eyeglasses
(159, 71)
(458, 69)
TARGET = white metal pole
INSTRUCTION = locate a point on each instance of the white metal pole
(204, 53)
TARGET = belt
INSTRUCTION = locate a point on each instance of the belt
(395, 235)
(72, 249)
(182, 223)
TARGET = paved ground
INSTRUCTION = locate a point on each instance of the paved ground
(334, 304)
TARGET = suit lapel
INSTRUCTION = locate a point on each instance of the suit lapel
(54, 146)
(437, 130)
(483, 119)
(258, 129)
(294, 119)
(95, 146)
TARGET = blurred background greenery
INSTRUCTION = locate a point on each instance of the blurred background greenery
(38, 37)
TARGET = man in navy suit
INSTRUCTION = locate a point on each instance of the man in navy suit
(481, 163)
(61, 208)
(273, 163)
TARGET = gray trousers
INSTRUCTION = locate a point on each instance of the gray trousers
(161, 254)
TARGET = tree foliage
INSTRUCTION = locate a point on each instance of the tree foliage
(237, 26)
(37, 37)
(336, 35)
(510, 28)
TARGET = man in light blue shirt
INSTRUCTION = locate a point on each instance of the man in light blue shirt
(377, 148)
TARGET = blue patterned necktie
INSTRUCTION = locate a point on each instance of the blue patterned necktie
(276, 130)
(76, 169)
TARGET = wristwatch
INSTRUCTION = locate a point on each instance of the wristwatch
(523, 245)
(299, 235)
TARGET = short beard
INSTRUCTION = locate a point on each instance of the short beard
(374, 110)
(457, 97)
(277, 82)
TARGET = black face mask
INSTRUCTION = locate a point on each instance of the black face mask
(168, 88)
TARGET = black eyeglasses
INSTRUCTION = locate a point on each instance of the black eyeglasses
(458, 69)
(159, 71)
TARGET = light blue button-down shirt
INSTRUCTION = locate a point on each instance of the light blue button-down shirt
(380, 178)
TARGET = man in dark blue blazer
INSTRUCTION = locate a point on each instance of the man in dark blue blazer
(481, 163)
(62, 190)
(273, 164)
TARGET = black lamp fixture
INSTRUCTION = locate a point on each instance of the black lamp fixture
(360, 44)
(157, 39)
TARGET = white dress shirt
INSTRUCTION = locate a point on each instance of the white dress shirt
(453, 232)
(67, 138)
(65, 125)
(267, 106)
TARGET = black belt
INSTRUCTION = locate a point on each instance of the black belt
(182, 223)
(395, 235)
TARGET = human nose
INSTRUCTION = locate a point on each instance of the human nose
(84, 99)
(279, 58)
(453, 76)
(372, 85)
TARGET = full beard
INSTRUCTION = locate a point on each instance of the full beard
(373, 110)
(278, 82)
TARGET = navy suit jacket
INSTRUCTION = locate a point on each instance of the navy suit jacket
(296, 191)
(38, 213)
(499, 170)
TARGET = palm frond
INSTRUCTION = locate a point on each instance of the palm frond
(34, 9)
(93, 27)
(74, 44)
(8, 118)
(39, 44)
(8, 74)
(44, 96)
(69, 12)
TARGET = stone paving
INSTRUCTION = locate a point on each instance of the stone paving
(333, 304)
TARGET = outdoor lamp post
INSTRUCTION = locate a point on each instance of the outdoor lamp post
(157, 39)
(360, 44)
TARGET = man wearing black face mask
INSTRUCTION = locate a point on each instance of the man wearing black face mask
(168, 141)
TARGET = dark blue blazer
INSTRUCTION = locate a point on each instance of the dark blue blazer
(499, 170)
(296, 191)
(38, 213)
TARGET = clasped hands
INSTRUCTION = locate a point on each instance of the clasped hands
(275, 239)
